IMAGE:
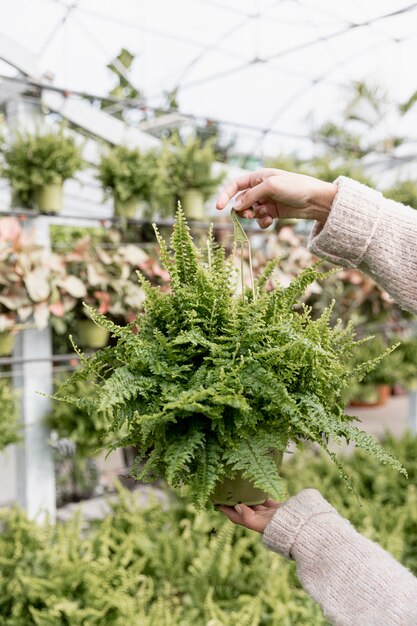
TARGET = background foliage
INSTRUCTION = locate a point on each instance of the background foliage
(37, 159)
(158, 566)
(9, 427)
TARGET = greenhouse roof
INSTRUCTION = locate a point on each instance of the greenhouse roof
(273, 71)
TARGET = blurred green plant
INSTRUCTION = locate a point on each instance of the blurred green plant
(64, 238)
(167, 565)
(129, 173)
(400, 366)
(9, 425)
(39, 159)
(403, 191)
(187, 165)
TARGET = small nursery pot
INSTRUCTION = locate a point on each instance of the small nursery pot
(231, 491)
(7, 341)
(126, 208)
(49, 198)
(192, 202)
(90, 335)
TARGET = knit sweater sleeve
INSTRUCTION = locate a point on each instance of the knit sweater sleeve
(353, 579)
(376, 235)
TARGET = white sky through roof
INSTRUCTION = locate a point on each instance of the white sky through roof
(282, 65)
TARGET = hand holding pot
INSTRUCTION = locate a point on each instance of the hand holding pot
(269, 193)
(252, 517)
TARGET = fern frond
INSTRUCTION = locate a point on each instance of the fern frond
(209, 470)
(179, 453)
(253, 461)
(360, 371)
(185, 254)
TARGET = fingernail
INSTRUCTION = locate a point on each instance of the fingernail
(237, 204)
(263, 211)
(238, 509)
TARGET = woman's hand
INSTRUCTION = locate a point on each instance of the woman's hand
(270, 193)
(253, 517)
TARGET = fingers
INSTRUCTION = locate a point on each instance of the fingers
(252, 196)
(266, 222)
(249, 214)
(251, 179)
(244, 516)
(238, 512)
(231, 513)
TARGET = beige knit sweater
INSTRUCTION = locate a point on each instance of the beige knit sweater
(353, 579)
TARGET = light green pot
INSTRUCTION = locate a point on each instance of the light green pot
(126, 208)
(7, 341)
(231, 491)
(49, 198)
(90, 335)
(192, 202)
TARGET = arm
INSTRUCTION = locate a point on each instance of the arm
(354, 580)
(379, 236)
(355, 225)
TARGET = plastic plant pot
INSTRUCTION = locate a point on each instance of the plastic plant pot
(49, 198)
(231, 491)
(192, 202)
(90, 335)
(7, 341)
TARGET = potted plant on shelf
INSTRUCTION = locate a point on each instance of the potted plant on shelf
(130, 176)
(102, 276)
(37, 166)
(210, 384)
(27, 296)
(188, 177)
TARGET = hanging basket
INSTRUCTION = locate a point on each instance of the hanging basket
(231, 491)
(90, 335)
(192, 202)
(7, 341)
(49, 198)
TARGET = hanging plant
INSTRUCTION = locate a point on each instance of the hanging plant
(188, 175)
(130, 176)
(207, 381)
(36, 165)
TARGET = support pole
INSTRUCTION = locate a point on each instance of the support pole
(35, 469)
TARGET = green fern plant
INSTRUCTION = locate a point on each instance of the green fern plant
(207, 381)
(9, 426)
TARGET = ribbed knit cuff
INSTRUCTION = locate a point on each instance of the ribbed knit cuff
(281, 532)
(350, 226)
